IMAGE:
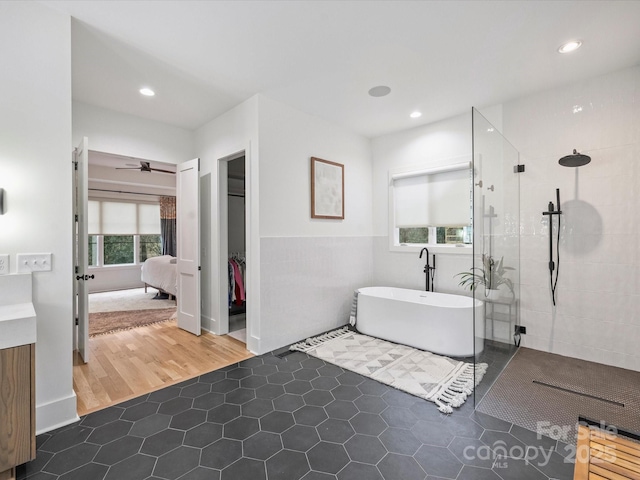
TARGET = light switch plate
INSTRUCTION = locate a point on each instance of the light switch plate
(33, 262)
(4, 264)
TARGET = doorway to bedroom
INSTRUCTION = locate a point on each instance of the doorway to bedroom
(135, 346)
(131, 226)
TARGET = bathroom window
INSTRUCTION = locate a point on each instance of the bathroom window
(443, 235)
(413, 235)
(430, 206)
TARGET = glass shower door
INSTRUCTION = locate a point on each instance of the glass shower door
(496, 239)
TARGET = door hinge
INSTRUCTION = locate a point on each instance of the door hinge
(75, 165)
(76, 218)
(199, 268)
(518, 169)
(76, 269)
(77, 321)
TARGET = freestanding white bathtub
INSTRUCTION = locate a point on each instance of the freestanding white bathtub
(436, 322)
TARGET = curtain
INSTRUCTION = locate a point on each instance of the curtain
(168, 225)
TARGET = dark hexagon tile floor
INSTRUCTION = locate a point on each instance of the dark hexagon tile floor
(289, 418)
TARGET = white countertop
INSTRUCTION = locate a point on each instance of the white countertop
(17, 314)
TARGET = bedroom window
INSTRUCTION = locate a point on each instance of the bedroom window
(118, 249)
(93, 250)
(150, 246)
(123, 233)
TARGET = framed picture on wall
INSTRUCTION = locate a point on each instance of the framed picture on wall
(327, 189)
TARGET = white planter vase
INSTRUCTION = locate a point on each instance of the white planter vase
(493, 294)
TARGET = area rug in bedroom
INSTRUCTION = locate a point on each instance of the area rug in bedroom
(436, 378)
(109, 322)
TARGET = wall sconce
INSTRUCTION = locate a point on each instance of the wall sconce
(2, 209)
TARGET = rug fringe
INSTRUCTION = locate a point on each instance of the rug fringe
(457, 392)
(132, 327)
(453, 396)
(313, 342)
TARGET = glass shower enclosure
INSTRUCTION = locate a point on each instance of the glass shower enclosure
(496, 239)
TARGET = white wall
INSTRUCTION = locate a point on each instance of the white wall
(112, 278)
(424, 146)
(122, 134)
(598, 300)
(232, 132)
(309, 267)
(35, 170)
(288, 140)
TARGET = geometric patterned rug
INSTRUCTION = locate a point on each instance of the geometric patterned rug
(436, 378)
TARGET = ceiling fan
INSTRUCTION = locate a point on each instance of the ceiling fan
(146, 167)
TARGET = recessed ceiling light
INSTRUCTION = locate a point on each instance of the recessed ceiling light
(379, 91)
(569, 46)
(490, 129)
(577, 108)
(147, 92)
(416, 115)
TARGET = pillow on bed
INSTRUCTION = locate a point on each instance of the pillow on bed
(173, 260)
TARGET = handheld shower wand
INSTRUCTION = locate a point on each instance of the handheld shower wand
(554, 210)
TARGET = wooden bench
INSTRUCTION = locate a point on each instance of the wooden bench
(606, 454)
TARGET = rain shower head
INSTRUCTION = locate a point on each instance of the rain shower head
(574, 160)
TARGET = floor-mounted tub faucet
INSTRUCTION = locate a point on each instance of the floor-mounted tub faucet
(429, 271)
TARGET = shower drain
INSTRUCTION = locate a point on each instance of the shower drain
(586, 395)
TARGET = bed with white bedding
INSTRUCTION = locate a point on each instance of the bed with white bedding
(161, 273)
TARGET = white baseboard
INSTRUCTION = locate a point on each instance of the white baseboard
(56, 414)
(209, 324)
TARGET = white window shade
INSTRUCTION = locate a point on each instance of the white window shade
(93, 218)
(123, 218)
(148, 219)
(118, 218)
(438, 199)
(412, 202)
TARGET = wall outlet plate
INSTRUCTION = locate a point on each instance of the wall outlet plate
(4, 264)
(519, 329)
(33, 262)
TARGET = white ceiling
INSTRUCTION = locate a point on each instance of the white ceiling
(321, 57)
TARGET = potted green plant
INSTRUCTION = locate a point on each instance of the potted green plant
(492, 275)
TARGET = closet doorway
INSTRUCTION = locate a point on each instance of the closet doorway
(233, 245)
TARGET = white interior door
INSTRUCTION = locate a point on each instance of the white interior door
(81, 257)
(188, 245)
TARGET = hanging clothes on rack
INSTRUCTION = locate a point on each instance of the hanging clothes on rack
(237, 292)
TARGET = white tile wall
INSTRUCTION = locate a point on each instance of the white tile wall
(307, 284)
(598, 299)
(405, 270)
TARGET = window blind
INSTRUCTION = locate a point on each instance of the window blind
(433, 198)
(123, 218)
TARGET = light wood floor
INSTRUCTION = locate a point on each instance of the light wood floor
(127, 364)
